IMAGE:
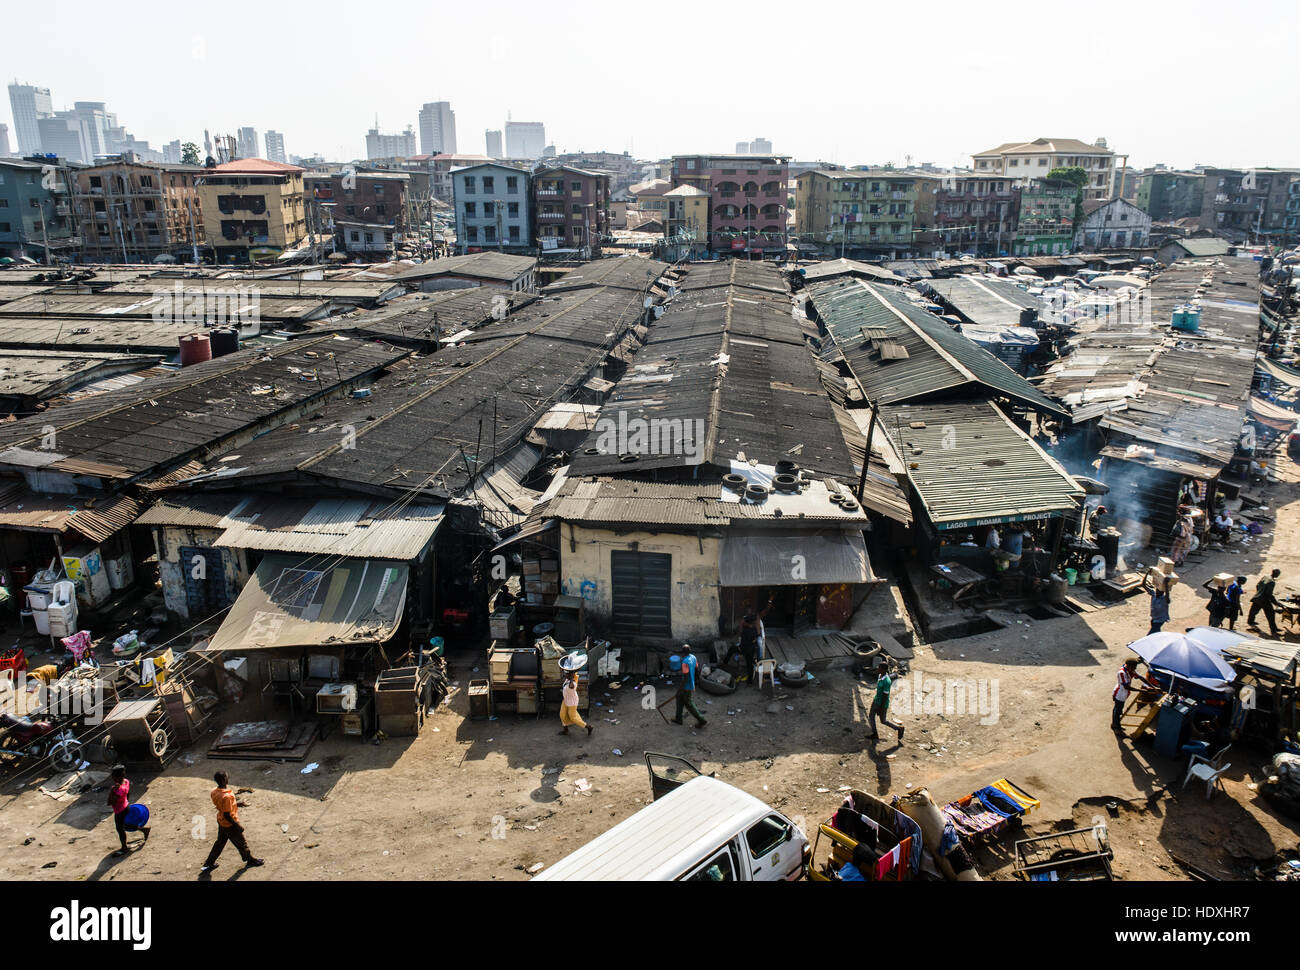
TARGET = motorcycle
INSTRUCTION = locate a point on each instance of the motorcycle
(23, 739)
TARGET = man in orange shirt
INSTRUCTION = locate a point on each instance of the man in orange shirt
(228, 827)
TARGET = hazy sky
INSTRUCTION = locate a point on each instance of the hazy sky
(852, 82)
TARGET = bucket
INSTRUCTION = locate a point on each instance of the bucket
(1071, 576)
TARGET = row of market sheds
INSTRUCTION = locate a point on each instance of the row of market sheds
(148, 309)
(949, 418)
(645, 522)
(329, 461)
(1166, 408)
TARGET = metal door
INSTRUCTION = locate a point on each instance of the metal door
(642, 585)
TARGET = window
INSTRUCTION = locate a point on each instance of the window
(490, 233)
(512, 184)
(690, 163)
(767, 835)
(471, 210)
(1014, 162)
(489, 183)
(721, 868)
(381, 209)
(356, 236)
(576, 186)
(4, 227)
(472, 233)
(146, 181)
(1042, 163)
(379, 188)
(469, 185)
(370, 237)
(96, 182)
(514, 234)
(488, 210)
(512, 209)
(4, 203)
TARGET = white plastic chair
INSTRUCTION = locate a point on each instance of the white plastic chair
(761, 667)
(1208, 774)
(64, 592)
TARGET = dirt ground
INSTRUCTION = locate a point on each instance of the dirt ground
(491, 799)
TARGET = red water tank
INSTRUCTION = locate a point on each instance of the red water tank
(195, 349)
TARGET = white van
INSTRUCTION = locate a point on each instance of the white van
(704, 831)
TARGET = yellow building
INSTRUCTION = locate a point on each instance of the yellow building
(253, 209)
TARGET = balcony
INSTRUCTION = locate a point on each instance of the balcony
(550, 193)
(550, 216)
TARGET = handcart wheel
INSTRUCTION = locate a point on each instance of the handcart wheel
(158, 743)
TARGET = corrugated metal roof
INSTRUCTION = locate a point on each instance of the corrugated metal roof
(969, 464)
(201, 511)
(626, 500)
(724, 372)
(152, 426)
(498, 267)
(939, 361)
(984, 301)
(95, 517)
(427, 427)
(355, 528)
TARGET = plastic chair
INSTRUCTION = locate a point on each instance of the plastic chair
(1204, 771)
(767, 666)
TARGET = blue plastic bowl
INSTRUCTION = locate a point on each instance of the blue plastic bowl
(136, 816)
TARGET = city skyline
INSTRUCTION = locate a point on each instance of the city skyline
(1229, 128)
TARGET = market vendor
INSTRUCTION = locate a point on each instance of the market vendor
(1124, 686)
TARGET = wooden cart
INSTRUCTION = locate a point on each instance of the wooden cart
(1080, 855)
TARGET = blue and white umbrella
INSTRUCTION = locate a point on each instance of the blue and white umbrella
(1186, 658)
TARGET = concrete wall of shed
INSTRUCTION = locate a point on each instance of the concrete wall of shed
(585, 565)
(169, 540)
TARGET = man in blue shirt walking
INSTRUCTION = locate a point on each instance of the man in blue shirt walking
(686, 693)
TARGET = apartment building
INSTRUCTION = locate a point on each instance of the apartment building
(36, 215)
(255, 209)
(862, 212)
(437, 129)
(1167, 195)
(493, 209)
(440, 168)
(571, 209)
(1044, 218)
(132, 211)
(379, 145)
(369, 211)
(975, 214)
(275, 146)
(1246, 204)
(1024, 161)
(747, 199)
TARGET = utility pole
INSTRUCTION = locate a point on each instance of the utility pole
(121, 231)
(194, 236)
(45, 238)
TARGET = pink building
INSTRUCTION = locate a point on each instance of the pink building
(747, 199)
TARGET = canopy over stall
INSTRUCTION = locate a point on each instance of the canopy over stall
(296, 601)
(794, 558)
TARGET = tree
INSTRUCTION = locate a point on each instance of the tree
(1079, 178)
(189, 153)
